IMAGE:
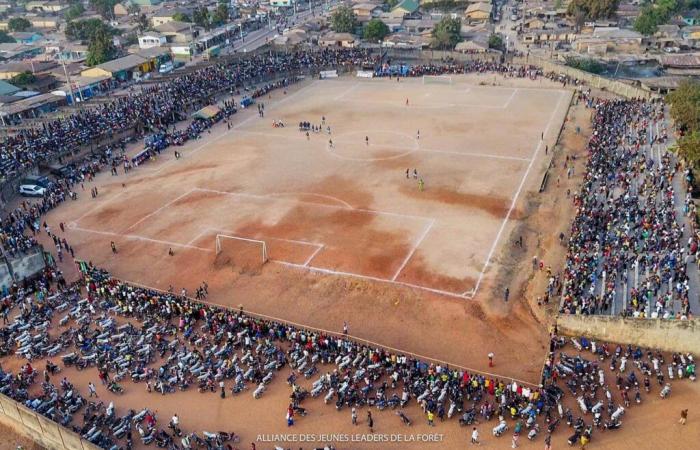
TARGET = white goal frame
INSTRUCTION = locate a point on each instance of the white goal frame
(263, 244)
(437, 79)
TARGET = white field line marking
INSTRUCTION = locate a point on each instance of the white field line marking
(293, 241)
(197, 236)
(234, 127)
(474, 154)
(510, 99)
(515, 200)
(152, 213)
(402, 104)
(335, 333)
(142, 238)
(329, 197)
(408, 150)
(321, 205)
(312, 256)
(346, 92)
(98, 207)
(413, 250)
(369, 277)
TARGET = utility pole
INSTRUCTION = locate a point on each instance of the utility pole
(65, 71)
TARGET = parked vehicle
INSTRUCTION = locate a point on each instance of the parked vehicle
(32, 190)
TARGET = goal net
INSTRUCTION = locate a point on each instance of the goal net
(437, 79)
(242, 253)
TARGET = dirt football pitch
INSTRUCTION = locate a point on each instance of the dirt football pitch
(416, 263)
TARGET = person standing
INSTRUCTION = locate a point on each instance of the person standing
(92, 390)
(222, 385)
(506, 294)
(548, 442)
(684, 416)
(370, 421)
(353, 416)
(475, 437)
(490, 355)
(431, 417)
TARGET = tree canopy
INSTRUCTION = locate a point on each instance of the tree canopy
(685, 110)
(200, 16)
(84, 30)
(220, 15)
(105, 8)
(23, 79)
(586, 64)
(181, 17)
(6, 38)
(375, 30)
(496, 41)
(593, 9)
(101, 48)
(74, 11)
(343, 20)
(18, 24)
(446, 33)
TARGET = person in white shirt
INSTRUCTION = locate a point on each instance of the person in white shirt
(475, 437)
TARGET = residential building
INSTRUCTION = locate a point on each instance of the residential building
(480, 12)
(407, 8)
(26, 37)
(7, 88)
(366, 11)
(152, 39)
(178, 32)
(46, 6)
(333, 39)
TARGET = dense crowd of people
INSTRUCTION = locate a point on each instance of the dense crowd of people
(626, 241)
(160, 105)
(625, 224)
(168, 343)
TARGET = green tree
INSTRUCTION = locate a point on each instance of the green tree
(105, 8)
(23, 79)
(181, 17)
(685, 106)
(83, 30)
(689, 149)
(75, 11)
(101, 48)
(585, 64)
(496, 41)
(142, 22)
(200, 16)
(6, 38)
(343, 20)
(133, 9)
(220, 15)
(18, 24)
(375, 30)
(593, 9)
(446, 33)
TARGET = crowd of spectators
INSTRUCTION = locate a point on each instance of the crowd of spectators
(159, 105)
(626, 241)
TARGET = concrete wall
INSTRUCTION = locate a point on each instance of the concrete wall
(38, 428)
(668, 335)
(592, 80)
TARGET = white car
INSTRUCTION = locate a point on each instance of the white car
(32, 190)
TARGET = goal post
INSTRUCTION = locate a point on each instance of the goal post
(437, 79)
(242, 249)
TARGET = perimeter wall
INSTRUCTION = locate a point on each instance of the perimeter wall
(38, 428)
(667, 335)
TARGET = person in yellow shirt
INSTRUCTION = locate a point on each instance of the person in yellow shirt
(431, 417)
